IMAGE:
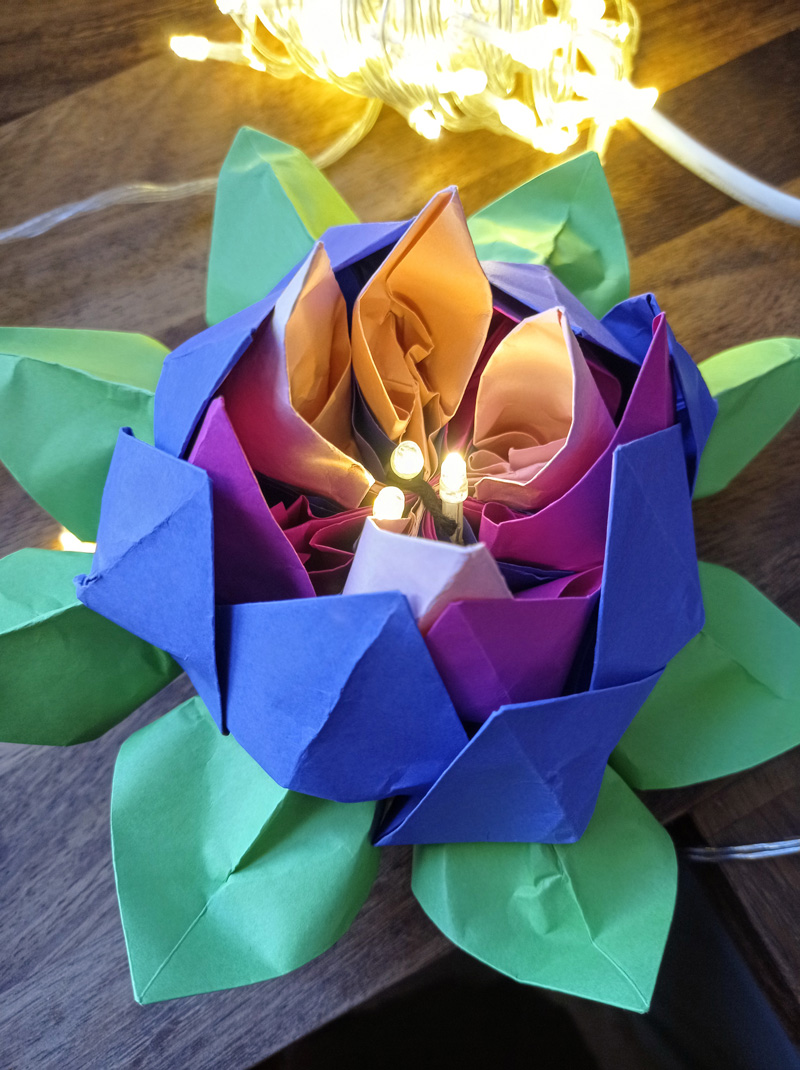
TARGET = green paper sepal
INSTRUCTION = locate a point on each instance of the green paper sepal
(590, 918)
(224, 878)
(63, 397)
(272, 205)
(757, 387)
(729, 700)
(566, 219)
(68, 674)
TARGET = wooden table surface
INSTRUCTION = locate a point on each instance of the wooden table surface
(91, 98)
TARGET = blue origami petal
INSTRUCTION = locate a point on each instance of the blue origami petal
(350, 242)
(536, 288)
(650, 600)
(337, 697)
(193, 372)
(153, 570)
(531, 774)
(631, 322)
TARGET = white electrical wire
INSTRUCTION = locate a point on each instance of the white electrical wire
(716, 170)
(134, 193)
(750, 852)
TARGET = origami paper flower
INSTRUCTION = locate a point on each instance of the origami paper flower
(476, 693)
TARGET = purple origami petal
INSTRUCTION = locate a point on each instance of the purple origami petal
(535, 288)
(253, 559)
(570, 533)
(348, 243)
(153, 570)
(491, 654)
(531, 774)
(650, 602)
(337, 697)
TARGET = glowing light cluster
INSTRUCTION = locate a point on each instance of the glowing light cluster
(453, 64)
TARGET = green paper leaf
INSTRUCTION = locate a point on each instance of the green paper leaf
(68, 674)
(223, 877)
(729, 700)
(63, 397)
(272, 205)
(566, 219)
(757, 387)
(589, 918)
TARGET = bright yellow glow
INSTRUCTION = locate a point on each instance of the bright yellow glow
(68, 541)
(425, 123)
(190, 47)
(453, 479)
(389, 504)
(452, 64)
(407, 461)
(467, 82)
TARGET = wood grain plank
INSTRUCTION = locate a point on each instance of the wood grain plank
(52, 48)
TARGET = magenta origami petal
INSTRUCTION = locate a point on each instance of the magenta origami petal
(570, 533)
(493, 654)
(253, 559)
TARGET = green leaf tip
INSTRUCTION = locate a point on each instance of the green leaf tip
(729, 700)
(757, 387)
(68, 674)
(63, 397)
(223, 877)
(272, 205)
(564, 218)
(590, 918)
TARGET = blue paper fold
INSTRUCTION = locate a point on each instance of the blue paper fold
(533, 771)
(536, 288)
(650, 600)
(337, 696)
(153, 570)
(193, 372)
(631, 321)
(531, 774)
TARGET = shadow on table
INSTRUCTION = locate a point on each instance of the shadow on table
(707, 1014)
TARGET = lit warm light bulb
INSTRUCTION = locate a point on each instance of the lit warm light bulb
(453, 479)
(389, 504)
(453, 490)
(190, 47)
(407, 461)
(68, 541)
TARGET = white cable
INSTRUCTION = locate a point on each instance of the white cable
(750, 852)
(134, 193)
(716, 170)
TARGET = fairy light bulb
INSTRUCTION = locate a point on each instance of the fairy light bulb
(191, 47)
(407, 461)
(453, 487)
(389, 504)
(453, 491)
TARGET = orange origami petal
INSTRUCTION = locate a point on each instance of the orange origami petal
(540, 421)
(419, 325)
(289, 397)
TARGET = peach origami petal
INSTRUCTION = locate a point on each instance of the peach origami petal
(540, 420)
(289, 397)
(419, 326)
